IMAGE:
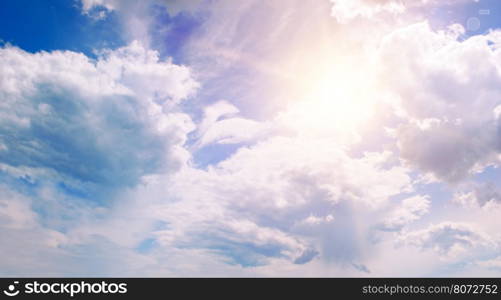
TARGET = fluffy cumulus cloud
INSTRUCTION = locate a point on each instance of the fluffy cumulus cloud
(344, 11)
(75, 131)
(263, 204)
(448, 91)
(480, 194)
(221, 124)
(101, 122)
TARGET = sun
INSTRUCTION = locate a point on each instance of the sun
(337, 99)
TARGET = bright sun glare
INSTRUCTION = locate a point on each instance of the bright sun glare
(336, 99)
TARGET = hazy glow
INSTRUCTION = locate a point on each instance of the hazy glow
(335, 98)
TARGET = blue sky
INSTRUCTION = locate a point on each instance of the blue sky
(223, 138)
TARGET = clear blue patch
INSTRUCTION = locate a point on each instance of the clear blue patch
(489, 174)
(56, 25)
(146, 245)
(213, 154)
(307, 256)
(478, 17)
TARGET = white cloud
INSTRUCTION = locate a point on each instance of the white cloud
(410, 210)
(480, 194)
(124, 71)
(294, 199)
(452, 239)
(27, 245)
(448, 91)
(89, 5)
(313, 220)
(104, 122)
(346, 10)
(15, 210)
(221, 125)
(77, 135)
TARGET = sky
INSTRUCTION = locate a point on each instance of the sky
(218, 138)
